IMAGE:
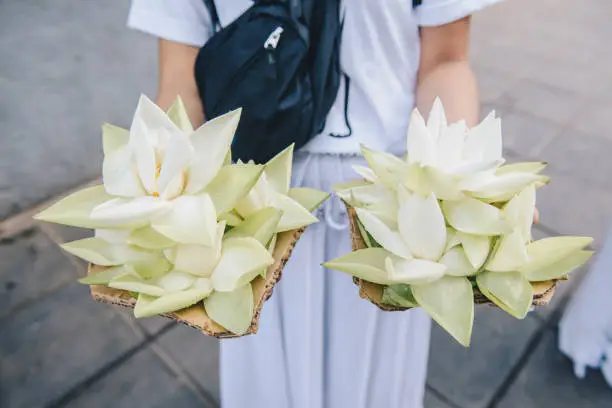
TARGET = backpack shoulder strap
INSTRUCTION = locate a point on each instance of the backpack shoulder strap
(416, 3)
(214, 16)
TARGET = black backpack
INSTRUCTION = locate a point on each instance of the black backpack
(279, 61)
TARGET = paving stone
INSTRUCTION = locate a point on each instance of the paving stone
(526, 134)
(142, 381)
(469, 377)
(547, 380)
(582, 156)
(196, 353)
(492, 84)
(594, 118)
(573, 206)
(55, 344)
(543, 101)
(432, 401)
(30, 266)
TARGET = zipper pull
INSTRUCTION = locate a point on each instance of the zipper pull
(272, 41)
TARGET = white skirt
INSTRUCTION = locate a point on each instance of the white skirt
(585, 331)
(319, 344)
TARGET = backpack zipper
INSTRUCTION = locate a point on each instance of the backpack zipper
(272, 41)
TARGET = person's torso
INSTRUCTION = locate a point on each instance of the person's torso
(380, 55)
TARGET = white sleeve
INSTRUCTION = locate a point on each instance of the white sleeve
(184, 21)
(440, 12)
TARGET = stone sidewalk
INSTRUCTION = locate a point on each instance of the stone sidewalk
(544, 65)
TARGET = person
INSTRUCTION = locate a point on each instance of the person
(320, 345)
(585, 330)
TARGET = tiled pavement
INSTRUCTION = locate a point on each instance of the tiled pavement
(545, 65)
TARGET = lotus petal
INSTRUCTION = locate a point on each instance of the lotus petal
(452, 239)
(154, 266)
(129, 213)
(75, 209)
(436, 121)
(261, 225)
(191, 220)
(178, 115)
(467, 168)
(232, 184)
(414, 271)
(367, 238)
(278, 170)
(450, 302)
(367, 264)
(242, 259)
(179, 154)
(294, 215)
(524, 167)
(343, 187)
(386, 211)
(472, 216)
(104, 276)
(175, 281)
(548, 251)
(457, 263)
(426, 180)
(134, 283)
(197, 259)
(493, 186)
(399, 295)
(233, 310)
(484, 141)
(519, 212)
(421, 143)
(510, 291)
(100, 252)
(154, 118)
(149, 238)
(211, 143)
(119, 175)
(142, 148)
(476, 248)
(366, 195)
(147, 306)
(510, 253)
(560, 268)
(308, 198)
(231, 218)
(450, 144)
(366, 172)
(388, 239)
(114, 138)
(387, 167)
(422, 227)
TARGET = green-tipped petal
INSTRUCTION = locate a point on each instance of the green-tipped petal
(175, 281)
(450, 302)
(232, 310)
(560, 268)
(382, 234)
(104, 276)
(365, 235)
(178, 114)
(75, 210)
(457, 263)
(510, 253)
(147, 306)
(493, 186)
(367, 264)
(129, 213)
(525, 167)
(422, 226)
(100, 252)
(474, 217)
(231, 218)
(197, 259)
(510, 291)
(520, 210)
(261, 225)
(413, 271)
(211, 143)
(242, 259)
(387, 167)
(339, 187)
(232, 184)
(294, 215)
(114, 138)
(476, 248)
(452, 239)
(191, 220)
(308, 198)
(134, 283)
(426, 180)
(548, 251)
(278, 170)
(154, 267)
(149, 238)
(365, 172)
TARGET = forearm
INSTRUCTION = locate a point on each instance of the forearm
(176, 78)
(454, 82)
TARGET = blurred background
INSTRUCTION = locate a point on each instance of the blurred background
(67, 66)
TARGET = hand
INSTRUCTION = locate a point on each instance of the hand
(536, 216)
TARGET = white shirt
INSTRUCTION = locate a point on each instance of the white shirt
(379, 53)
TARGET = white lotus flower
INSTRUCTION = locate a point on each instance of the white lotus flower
(272, 190)
(164, 174)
